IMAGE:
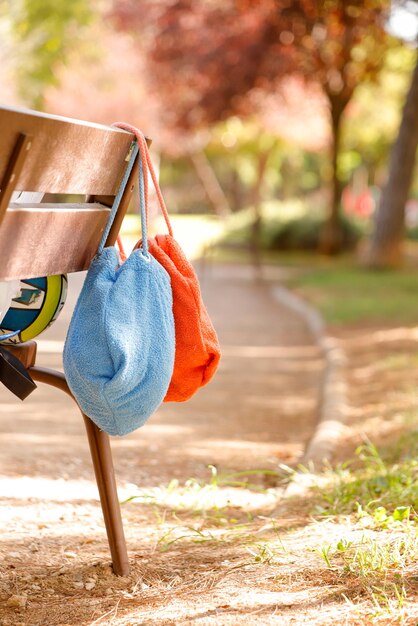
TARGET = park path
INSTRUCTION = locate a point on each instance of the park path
(260, 409)
(258, 413)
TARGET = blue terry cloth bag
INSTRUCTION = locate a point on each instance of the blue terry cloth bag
(119, 351)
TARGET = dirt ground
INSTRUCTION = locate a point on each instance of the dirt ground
(197, 530)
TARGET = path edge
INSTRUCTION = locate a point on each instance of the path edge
(333, 386)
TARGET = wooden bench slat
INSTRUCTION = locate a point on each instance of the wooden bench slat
(40, 234)
(66, 156)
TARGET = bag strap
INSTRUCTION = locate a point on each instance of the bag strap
(118, 198)
(147, 166)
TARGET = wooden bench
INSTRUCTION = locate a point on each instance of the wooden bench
(45, 154)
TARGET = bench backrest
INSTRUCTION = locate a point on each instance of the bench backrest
(46, 154)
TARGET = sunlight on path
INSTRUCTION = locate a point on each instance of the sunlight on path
(195, 479)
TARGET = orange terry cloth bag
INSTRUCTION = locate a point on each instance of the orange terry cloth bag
(197, 347)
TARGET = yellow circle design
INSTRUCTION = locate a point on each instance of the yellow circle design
(53, 300)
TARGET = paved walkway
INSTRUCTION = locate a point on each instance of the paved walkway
(259, 410)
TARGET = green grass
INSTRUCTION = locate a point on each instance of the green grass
(381, 489)
(378, 549)
(348, 294)
(201, 496)
(361, 523)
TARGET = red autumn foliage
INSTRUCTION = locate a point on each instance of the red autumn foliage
(207, 57)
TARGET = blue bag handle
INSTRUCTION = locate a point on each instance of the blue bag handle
(118, 198)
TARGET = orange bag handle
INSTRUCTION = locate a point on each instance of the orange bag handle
(147, 166)
(121, 247)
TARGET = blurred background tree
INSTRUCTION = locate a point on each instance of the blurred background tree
(211, 72)
(386, 249)
(386, 244)
(42, 32)
(253, 107)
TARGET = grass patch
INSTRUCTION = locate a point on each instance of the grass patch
(370, 554)
(346, 294)
(379, 569)
(378, 550)
(381, 489)
(220, 492)
(358, 535)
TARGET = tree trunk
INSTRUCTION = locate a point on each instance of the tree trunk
(256, 227)
(386, 244)
(235, 191)
(210, 184)
(331, 236)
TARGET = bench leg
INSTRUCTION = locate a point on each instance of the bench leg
(105, 477)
